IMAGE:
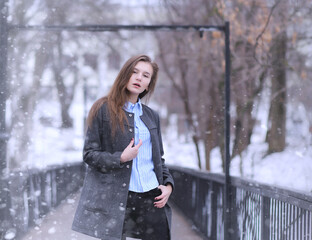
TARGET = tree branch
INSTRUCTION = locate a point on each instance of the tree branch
(263, 31)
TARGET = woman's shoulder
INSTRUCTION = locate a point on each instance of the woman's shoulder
(149, 111)
(104, 106)
(104, 109)
(101, 106)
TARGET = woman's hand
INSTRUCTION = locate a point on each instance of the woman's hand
(162, 199)
(130, 151)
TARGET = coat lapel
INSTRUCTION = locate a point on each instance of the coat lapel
(147, 121)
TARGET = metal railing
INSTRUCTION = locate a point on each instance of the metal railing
(31, 195)
(257, 211)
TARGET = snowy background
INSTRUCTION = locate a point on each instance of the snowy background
(290, 169)
(51, 145)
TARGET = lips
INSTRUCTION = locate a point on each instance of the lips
(136, 85)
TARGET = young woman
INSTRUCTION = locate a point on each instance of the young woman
(127, 184)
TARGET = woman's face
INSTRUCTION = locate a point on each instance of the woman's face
(139, 80)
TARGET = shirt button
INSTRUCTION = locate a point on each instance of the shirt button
(130, 114)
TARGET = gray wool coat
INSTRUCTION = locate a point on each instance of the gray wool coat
(101, 209)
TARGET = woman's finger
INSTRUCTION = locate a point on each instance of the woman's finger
(131, 143)
(139, 144)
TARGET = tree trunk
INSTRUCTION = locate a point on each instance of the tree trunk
(244, 124)
(209, 137)
(182, 88)
(211, 129)
(277, 116)
(64, 97)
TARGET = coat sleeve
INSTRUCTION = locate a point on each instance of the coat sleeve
(93, 155)
(167, 177)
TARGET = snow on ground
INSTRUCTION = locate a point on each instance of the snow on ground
(51, 144)
(291, 168)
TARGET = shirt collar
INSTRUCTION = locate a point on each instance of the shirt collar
(130, 107)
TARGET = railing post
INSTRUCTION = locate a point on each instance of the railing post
(265, 218)
(214, 215)
(233, 231)
(5, 205)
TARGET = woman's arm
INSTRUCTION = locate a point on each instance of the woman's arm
(94, 151)
(167, 177)
(168, 185)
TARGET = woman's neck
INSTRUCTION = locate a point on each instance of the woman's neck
(133, 99)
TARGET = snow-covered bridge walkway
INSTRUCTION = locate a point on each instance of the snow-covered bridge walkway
(57, 225)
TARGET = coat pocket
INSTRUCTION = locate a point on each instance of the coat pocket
(97, 191)
(97, 201)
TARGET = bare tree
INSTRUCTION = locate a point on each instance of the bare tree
(205, 71)
(277, 116)
(23, 91)
(32, 54)
(254, 31)
(182, 85)
(285, 16)
(194, 70)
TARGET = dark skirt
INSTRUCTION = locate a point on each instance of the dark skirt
(143, 220)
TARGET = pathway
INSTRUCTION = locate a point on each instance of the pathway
(57, 225)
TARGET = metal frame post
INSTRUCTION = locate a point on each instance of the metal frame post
(5, 217)
(4, 28)
(228, 231)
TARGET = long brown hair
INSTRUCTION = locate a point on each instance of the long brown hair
(119, 93)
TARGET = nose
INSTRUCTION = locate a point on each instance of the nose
(139, 76)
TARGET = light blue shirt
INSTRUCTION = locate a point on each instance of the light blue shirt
(143, 177)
